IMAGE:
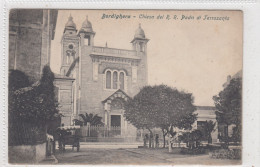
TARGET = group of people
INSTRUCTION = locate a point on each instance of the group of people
(153, 142)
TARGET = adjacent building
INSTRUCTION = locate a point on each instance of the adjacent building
(30, 35)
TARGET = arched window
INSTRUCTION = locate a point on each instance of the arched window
(108, 80)
(115, 80)
(141, 47)
(87, 40)
(72, 56)
(68, 54)
(122, 80)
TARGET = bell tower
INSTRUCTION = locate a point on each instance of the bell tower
(86, 33)
(70, 46)
(139, 44)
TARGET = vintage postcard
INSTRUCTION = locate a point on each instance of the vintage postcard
(125, 87)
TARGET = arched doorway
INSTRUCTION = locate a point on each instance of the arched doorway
(116, 115)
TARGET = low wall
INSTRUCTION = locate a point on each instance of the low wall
(26, 154)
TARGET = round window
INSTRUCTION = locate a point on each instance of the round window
(71, 46)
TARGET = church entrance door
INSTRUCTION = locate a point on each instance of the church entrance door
(116, 124)
(116, 120)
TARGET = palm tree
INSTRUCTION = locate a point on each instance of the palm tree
(89, 118)
(209, 128)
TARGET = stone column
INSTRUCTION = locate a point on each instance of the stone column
(106, 114)
(107, 110)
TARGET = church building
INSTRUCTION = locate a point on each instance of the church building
(103, 78)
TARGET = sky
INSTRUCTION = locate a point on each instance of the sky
(190, 54)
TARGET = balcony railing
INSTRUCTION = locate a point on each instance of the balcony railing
(112, 51)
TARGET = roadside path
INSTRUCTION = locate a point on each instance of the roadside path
(129, 154)
(102, 156)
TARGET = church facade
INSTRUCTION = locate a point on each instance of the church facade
(104, 78)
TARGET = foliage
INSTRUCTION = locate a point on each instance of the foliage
(192, 139)
(228, 104)
(93, 120)
(185, 137)
(161, 106)
(236, 135)
(209, 128)
(17, 80)
(36, 105)
(196, 136)
(31, 104)
(53, 124)
(227, 154)
(89, 118)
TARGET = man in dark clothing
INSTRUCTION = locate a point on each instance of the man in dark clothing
(61, 133)
(145, 140)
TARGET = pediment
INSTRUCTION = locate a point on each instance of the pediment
(117, 94)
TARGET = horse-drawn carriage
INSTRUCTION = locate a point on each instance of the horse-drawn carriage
(69, 135)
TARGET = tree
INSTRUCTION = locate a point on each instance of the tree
(93, 120)
(89, 118)
(31, 105)
(47, 96)
(17, 80)
(209, 128)
(161, 106)
(228, 105)
(196, 136)
(236, 136)
(184, 137)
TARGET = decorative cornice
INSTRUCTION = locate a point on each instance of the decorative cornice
(102, 58)
(75, 38)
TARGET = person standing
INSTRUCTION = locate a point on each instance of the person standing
(156, 141)
(145, 140)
